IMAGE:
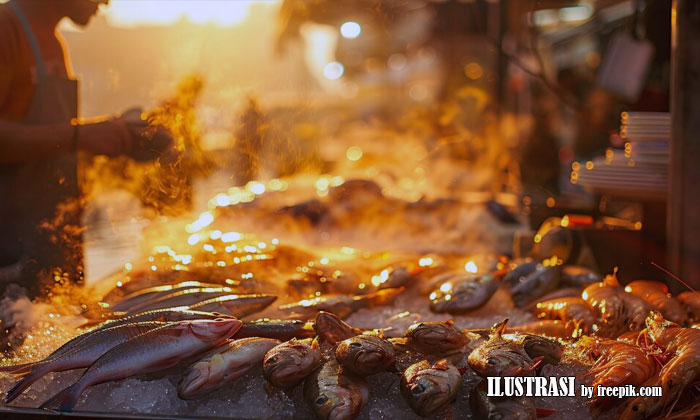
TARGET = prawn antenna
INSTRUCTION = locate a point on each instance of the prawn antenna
(673, 276)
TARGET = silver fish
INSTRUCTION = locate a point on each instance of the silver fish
(156, 350)
(230, 362)
(236, 305)
(82, 355)
(160, 315)
(184, 297)
(152, 293)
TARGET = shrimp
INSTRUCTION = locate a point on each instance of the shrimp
(657, 295)
(617, 363)
(567, 309)
(618, 311)
(681, 347)
(690, 301)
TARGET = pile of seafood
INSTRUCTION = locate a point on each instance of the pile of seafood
(565, 321)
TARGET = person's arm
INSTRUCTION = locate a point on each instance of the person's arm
(23, 143)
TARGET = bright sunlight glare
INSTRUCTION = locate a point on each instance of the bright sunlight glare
(165, 12)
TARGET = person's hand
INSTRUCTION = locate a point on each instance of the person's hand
(111, 137)
(148, 143)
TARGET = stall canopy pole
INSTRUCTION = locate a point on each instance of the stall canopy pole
(684, 193)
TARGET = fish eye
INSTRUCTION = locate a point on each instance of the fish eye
(321, 400)
(417, 389)
(635, 408)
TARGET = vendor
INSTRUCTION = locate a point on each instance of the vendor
(40, 210)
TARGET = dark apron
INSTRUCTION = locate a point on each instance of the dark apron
(41, 239)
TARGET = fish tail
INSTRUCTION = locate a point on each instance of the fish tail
(28, 378)
(65, 400)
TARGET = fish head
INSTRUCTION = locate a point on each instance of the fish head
(214, 330)
(436, 337)
(425, 395)
(288, 364)
(536, 346)
(365, 354)
(334, 405)
(196, 380)
(332, 328)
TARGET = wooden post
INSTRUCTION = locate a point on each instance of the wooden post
(683, 224)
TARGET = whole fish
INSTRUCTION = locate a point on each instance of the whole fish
(236, 305)
(83, 355)
(342, 305)
(540, 282)
(518, 270)
(577, 276)
(151, 293)
(499, 357)
(510, 408)
(280, 329)
(288, 364)
(428, 388)
(463, 294)
(160, 315)
(334, 395)
(331, 329)
(435, 337)
(183, 297)
(365, 355)
(228, 363)
(155, 350)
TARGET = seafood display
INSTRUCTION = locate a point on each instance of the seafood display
(360, 331)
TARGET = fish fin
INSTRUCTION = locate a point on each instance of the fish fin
(65, 400)
(544, 412)
(28, 379)
(441, 364)
(537, 362)
(270, 390)
(500, 327)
